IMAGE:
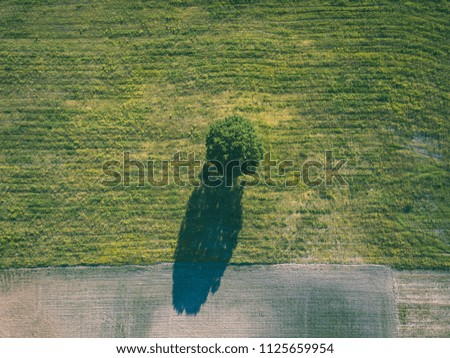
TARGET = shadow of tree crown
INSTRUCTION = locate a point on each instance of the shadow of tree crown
(211, 225)
(207, 238)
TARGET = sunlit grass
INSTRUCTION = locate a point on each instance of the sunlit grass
(82, 82)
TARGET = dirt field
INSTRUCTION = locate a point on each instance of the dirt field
(252, 301)
(423, 301)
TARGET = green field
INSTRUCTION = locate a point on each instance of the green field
(82, 82)
(423, 303)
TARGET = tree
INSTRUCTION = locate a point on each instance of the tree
(233, 139)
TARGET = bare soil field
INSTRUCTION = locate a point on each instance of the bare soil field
(252, 301)
(423, 302)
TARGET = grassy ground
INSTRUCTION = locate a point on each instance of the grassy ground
(423, 303)
(82, 82)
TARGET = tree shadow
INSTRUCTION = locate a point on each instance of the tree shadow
(207, 238)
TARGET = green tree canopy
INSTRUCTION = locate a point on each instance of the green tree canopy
(233, 138)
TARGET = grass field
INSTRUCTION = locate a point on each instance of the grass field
(423, 303)
(81, 82)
